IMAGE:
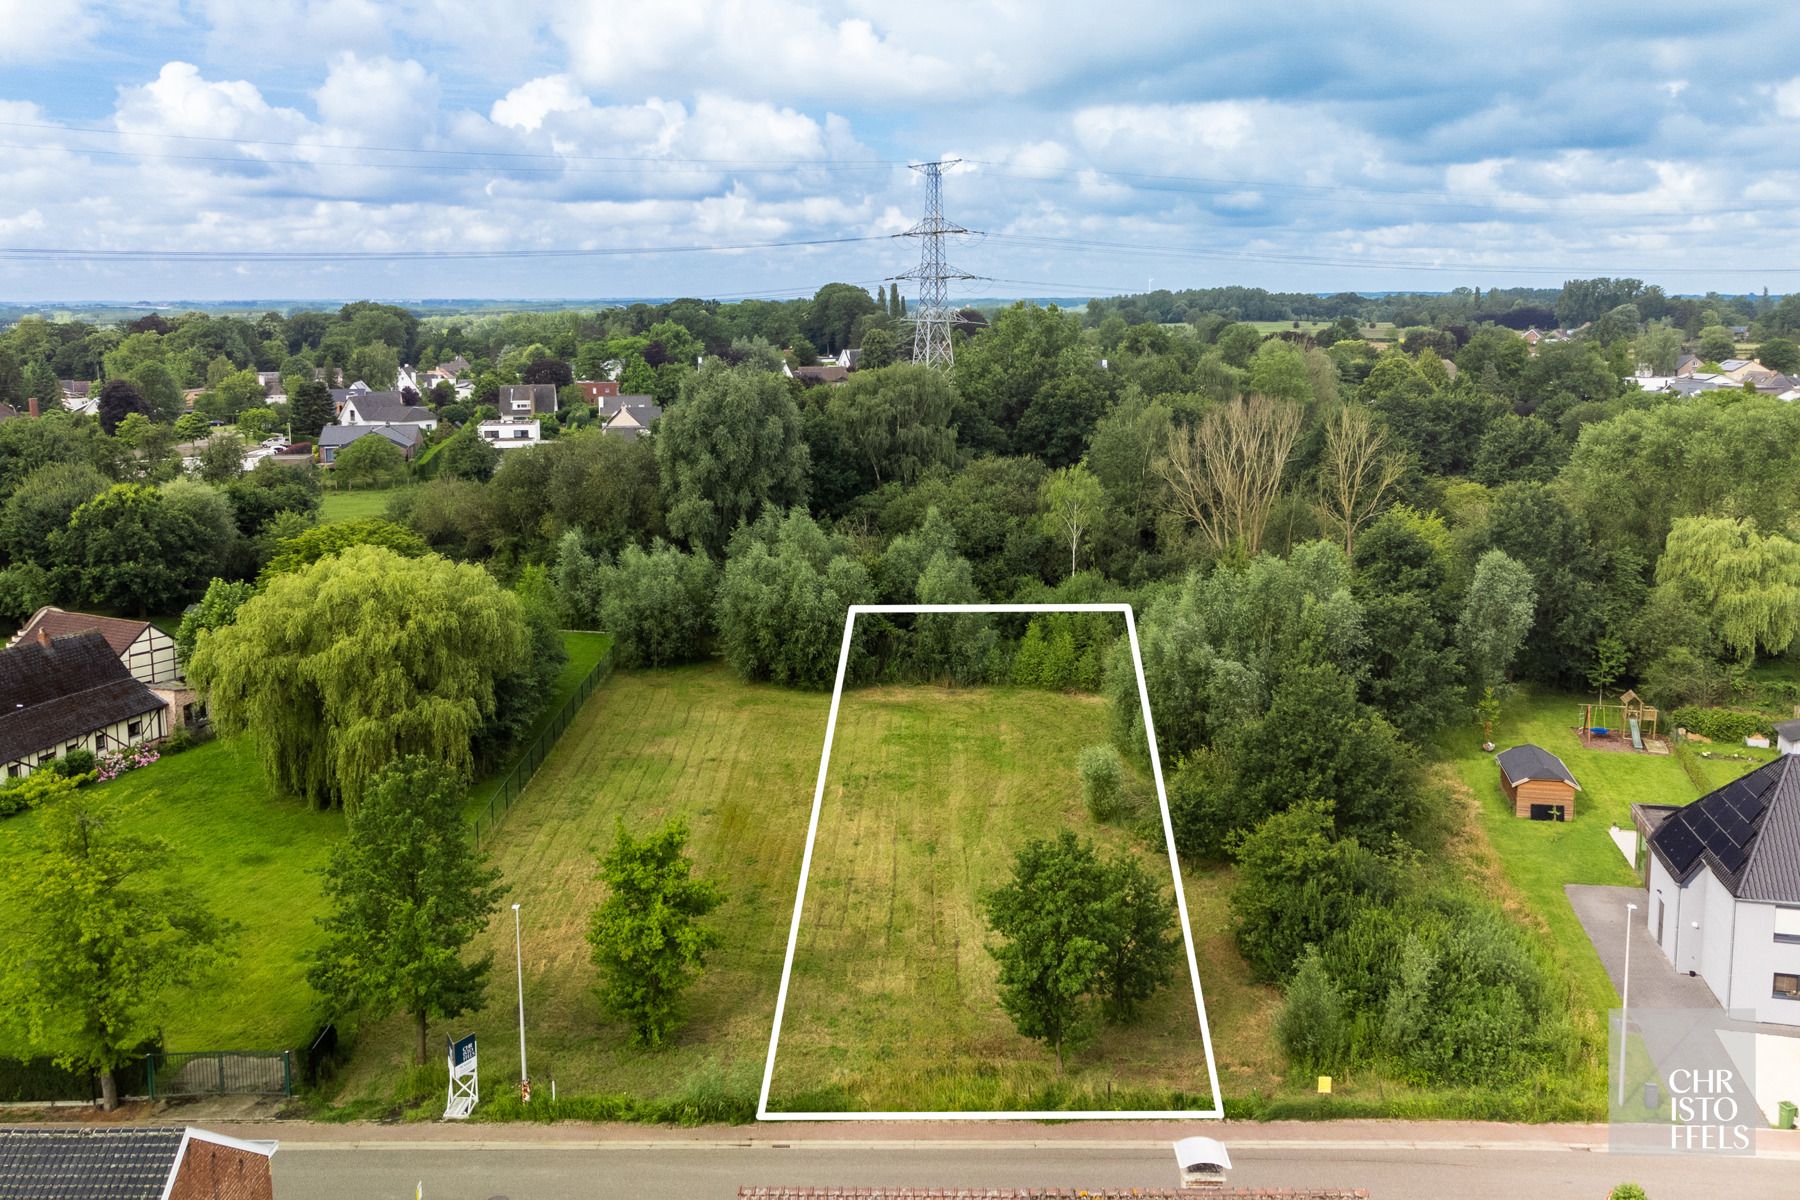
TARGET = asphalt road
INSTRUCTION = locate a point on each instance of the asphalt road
(323, 1171)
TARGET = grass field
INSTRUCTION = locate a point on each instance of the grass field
(585, 652)
(344, 505)
(893, 1001)
(1538, 857)
(738, 762)
(246, 854)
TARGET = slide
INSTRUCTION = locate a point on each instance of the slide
(1637, 741)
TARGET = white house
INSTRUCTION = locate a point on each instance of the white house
(1724, 890)
(384, 408)
(71, 693)
(1787, 736)
(510, 433)
(527, 399)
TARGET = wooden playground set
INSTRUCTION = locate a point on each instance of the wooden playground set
(1626, 724)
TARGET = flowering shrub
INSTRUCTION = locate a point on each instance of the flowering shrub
(114, 763)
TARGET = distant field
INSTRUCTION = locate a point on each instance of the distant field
(1383, 331)
(738, 762)
(346, 505)
(893, 1003)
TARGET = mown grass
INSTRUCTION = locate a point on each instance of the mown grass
(585, 651)
(345, 504)
(738, 762)
(244, 853)
(893, 1000)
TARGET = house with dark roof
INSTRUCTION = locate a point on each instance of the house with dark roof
(334, 438)
(1537, 784)
(147, 652)
(132, 1162)
(829, 372)
(630, 417)
(527, 400)
(383, 408)
(1724, 889)
(68, 693)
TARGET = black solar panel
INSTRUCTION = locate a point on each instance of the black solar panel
(1722, 825)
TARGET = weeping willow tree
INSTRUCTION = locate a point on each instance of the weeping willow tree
(342, 667)
(1750, 581)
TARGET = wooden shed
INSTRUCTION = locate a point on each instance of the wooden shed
(1537, 783)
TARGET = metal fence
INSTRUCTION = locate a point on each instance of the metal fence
(221, 1073)
(532, 757)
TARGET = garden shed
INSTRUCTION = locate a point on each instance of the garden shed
(1537, 783)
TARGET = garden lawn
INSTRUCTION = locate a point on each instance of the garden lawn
(1539, 857)
(738, 763)
(346, 504)
(243, 853)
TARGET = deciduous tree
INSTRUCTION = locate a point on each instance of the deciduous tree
(1225, 473)
(1072, 500)
(1356, 473)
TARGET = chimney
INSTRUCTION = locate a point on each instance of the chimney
(43, 635)
(31, 406)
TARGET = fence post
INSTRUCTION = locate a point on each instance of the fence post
(150, 1074)
(221, 1059)
(287, 1072)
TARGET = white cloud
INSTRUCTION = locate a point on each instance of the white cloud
(526, 106)
(1787, 99)
(378, 100)
(180, 101)
(44, 29)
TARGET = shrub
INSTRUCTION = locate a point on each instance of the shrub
(1720, 724)
(183, 738)
(1102, 782)
(1314, 1022)
(75, 762)
(1627, 1191)
(114, 763)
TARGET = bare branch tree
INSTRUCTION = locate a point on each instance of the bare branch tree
(1225, 473)
(1355, 473)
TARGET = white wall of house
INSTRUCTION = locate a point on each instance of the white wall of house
(148, 728)
(151, 658)
(1787, 745)
(510, 434)
(1732, 944)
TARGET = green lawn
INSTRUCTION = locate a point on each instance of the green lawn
(1539, 857)
(893, 1001)
(245, 853)
(738, 762)
(339, 504)
(585, 652)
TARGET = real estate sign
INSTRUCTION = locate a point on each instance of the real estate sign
(464, 1086)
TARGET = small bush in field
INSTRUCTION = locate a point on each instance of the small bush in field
(1102, 782)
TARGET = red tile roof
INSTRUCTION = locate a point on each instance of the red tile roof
(118, 632)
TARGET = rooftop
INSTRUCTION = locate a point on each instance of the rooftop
(1748, 832)
(1528, 762)
(64, 688)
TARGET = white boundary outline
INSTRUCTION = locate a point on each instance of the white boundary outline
(1217, 1111)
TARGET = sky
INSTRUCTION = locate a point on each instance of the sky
(416, 149)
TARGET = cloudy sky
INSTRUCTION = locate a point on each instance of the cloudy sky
(239, 149)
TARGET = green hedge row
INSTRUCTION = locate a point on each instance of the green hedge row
(1720, 724)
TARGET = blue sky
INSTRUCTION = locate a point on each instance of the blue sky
(1107, 147)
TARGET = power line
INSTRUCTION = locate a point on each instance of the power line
(934, 316)
(46, 254)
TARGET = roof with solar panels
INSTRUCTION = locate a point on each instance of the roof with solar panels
(1748, 832)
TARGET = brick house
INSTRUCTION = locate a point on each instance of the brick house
(82, 1162)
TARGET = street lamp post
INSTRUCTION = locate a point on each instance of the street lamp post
(519, 964)
(1624, 1002)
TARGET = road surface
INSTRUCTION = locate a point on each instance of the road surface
(713, 1170)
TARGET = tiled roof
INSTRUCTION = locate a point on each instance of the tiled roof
(118, 632)
(825, 373)
(1748, 832)
(80, 1162)
(1533, 762)
(387, 408)
(338, 436)
(63, 691)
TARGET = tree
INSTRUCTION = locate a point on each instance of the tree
(118, 399)
(879, 349)
(833, 313)
(1355, 473)
(231, 395)
(310, 408)
(1495, 618)
(1659, 348)
(323, 541)
(41, 508)
(1072, 500)
(1142, 945)
(895, 420)
(214, 610)
(222, 457)
(130, 549)
(656, 604)
(1779, 354)
(100, 934)
(359, 659)
(371, 459)
(1051, 952)
(647, 937)
(1225, 473)
(467, 455)
(1314, 1023)
(1716, 344)
(731, 447)
(1748, 582)
(376, 364)
(408, 893)
(787, 588)
(547, 370)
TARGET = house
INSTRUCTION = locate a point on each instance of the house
(1687, 364)
(823, 373)
(1533, 337)
(333, 438)
(848, 358)
(456, 367)
(596, 390)
(629, 416)
(8, 412)
(1537, 784)
(383, 408)
(331, 377)
(527, 399)
(1724, 889)
(1787, 736)
(147, 652)
(1776, 384)
(75, 389)
(132, 1162)
(274, 390)
(1744, 370)
(511, 433)
(71, 693)
(405, 378)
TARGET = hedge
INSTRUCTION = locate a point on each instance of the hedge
(1721, 724)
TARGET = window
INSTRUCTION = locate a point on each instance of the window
(71, 748)
(1787, 987)
(12, 770)
(134, 729)
(1787, 924)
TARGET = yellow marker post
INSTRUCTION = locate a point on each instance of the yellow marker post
(1324, 1085)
